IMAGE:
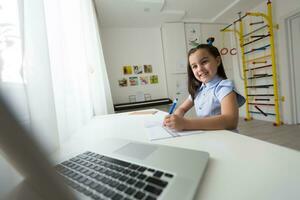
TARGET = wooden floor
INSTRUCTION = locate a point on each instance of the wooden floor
(285, 135)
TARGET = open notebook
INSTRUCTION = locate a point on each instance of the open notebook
(156, 130)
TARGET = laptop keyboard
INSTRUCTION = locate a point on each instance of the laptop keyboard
(101, 177)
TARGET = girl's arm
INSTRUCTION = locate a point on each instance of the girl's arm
(180, 111)
(184, 107)
(228, 119)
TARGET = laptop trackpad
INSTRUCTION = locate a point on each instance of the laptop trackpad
(136, 150)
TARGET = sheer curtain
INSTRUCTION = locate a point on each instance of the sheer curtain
(62, 75)
(80, 83)
(101, 95)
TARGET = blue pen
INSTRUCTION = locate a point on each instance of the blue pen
(172, 108)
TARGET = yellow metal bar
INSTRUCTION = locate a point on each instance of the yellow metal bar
(258, 14)
(241, 38)
(269, 19)
(241, 33)
(272, 45)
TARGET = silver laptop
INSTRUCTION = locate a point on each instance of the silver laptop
(120, 170)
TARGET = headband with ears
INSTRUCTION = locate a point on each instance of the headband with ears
(210, 40)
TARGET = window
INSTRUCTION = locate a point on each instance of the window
(10, 42)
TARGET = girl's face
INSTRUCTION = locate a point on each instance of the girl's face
(204, 65)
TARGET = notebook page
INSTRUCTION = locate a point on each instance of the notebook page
(157, 131)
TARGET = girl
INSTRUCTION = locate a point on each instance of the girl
(215, 99)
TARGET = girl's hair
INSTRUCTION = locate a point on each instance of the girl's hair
(193, 83)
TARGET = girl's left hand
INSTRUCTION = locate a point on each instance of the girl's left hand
(174, 122)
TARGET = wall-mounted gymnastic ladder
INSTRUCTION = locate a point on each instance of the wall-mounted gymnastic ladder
(258, 60)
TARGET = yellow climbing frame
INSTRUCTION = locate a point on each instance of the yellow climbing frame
(240, 34)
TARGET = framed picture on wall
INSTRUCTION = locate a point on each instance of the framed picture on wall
(148, 68)
(133, 81)
(123, 82)
(144, 80)
(138, 69)
(153, 79)
(127, 69)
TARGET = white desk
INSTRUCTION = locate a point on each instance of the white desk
(240, 167)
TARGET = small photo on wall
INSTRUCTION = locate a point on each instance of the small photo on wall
(144, 80)
(133, 81)
(127, 69)
(123, 82)
(153, 79)
(148, 68)
(138, 69)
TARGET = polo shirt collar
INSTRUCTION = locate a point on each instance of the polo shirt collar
(211, 83)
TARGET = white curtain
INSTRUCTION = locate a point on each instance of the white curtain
(63, 75)
(79, 75)
(101, 95)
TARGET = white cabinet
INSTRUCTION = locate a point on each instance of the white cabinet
(193, 35)
(174, 45)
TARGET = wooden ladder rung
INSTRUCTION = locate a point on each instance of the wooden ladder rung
(254, 68)
(259, 95)
(260, 86)
(262, 104)
(257, 49)
(261, 99)
(263, 76)
(245, 35)
(261, 113)
(260, 38)
(258, 58)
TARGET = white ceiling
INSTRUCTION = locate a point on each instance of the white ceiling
(150, 13)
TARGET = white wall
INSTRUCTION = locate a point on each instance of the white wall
(281, 10)
(133, 46)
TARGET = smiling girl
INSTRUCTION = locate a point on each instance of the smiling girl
(213, 95)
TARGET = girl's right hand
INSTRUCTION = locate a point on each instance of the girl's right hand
(175, 122)
(166, 119)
